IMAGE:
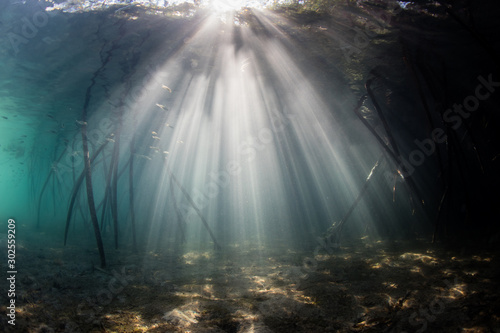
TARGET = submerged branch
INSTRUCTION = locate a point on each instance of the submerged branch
(76, 188)
(52, 170)
(335, 230)
(195, 207)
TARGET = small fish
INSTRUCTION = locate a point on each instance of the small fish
(180, 141)
(52, 131)
(81, 122)
(163, 107)
(110, 140)
(165, 152)
(24, 136)
(50, 116)
(4, 117)
(156, 138)
(166, 88)
(144, 156)
(154, 133)
(168, 125)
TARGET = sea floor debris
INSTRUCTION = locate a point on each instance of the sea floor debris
(363, 287)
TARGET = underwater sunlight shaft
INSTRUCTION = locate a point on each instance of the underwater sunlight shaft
(254, 155)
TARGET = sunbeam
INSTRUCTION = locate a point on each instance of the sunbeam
(223, 6)
(243, 126)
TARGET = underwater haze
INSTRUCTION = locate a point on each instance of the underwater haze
(218, 166)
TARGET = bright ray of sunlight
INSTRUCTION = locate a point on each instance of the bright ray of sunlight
(225, 128)
(230, 5)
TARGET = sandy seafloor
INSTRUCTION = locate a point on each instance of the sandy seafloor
(366, 286)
